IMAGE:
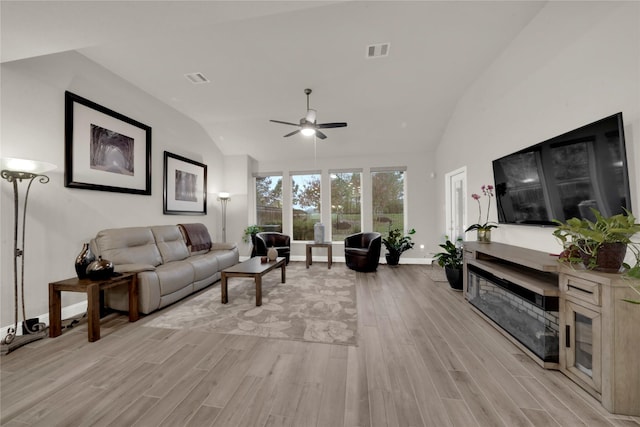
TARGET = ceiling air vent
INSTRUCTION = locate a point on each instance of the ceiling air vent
(196, 78)
(378, 50)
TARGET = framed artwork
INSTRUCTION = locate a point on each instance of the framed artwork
(185, 186)
(105, 150)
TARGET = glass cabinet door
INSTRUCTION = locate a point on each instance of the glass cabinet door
(582, 342)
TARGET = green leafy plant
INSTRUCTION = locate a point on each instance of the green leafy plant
(587, 237)
(250, 231)
(636, 289)
(452, 255)
(582, 235)
(397, 242)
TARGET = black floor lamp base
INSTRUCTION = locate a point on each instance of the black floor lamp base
(20, 340)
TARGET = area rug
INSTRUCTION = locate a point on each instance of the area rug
(436, 273)
(315, 304)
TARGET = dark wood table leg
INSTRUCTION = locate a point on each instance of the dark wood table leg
(330, 255)
(283, 273)
(93, 311)
(55, 312)
(258, 290)
(133, 299)
(223, 287)
(308, 257)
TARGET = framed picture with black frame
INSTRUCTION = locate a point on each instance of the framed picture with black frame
(105, 150)
(185, 186)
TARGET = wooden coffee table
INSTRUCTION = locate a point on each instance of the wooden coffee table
(253, 267)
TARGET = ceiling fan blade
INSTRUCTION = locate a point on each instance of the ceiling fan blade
(321, 135)
(331, 125)
(285, 123)
(292, 133)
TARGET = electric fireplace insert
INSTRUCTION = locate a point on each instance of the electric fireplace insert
(530, 318)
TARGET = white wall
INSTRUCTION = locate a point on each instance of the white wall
(61, 219)
(575, 63)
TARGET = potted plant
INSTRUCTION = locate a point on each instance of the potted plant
(483, 229)
(601, 244)
(451, 260)
(396, 243)
(250, 236)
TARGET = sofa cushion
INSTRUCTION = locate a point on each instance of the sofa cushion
(226, 258)
(133, 268)
(170, 243)
(131, 245)
(205, 265)
(174, 276)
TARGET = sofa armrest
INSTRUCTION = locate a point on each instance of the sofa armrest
(223, 246)
(131, 268)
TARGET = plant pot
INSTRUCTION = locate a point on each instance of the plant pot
(454, 277)
(392, 259)
(484, 235)
(609, 257)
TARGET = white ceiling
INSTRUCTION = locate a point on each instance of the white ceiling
(261, 55)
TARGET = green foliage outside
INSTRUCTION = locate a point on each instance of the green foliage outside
(306, 202)
(346, 208)
(269, 202)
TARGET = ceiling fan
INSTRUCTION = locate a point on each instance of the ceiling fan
(308, 125)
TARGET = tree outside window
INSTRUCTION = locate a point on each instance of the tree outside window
(305, 192)
(269, 202)
(346, 208)
(388, 200)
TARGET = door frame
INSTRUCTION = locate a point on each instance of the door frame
(460, 173)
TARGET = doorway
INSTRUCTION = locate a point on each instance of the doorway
(456, 203)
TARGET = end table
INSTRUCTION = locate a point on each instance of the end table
(92, 288)
(309, 257)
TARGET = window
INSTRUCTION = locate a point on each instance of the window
(269, 202)
(346, 209)
(305, 192)
(387, 188)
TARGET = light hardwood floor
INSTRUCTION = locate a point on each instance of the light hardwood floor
(423, 358)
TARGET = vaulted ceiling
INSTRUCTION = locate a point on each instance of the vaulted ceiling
(260, 56)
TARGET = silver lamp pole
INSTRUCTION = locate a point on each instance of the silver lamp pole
(224, 199)
(14, 171)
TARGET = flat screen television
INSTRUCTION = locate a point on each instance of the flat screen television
(565, 176)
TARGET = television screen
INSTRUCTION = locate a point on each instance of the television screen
(565, 176)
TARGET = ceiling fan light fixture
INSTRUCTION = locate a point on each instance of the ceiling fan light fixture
(308, 131)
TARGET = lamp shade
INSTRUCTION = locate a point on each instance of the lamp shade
(223, 195)
(24, 165)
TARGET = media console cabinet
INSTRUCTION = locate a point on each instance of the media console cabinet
(570, 319)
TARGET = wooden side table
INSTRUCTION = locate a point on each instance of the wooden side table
(92, 288)
(327, 245)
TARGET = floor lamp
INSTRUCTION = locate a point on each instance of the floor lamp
(15, 171)
(224, 199)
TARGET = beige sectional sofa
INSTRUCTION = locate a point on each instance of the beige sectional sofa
(169, 270)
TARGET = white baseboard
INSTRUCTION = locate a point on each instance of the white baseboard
(69, 311)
